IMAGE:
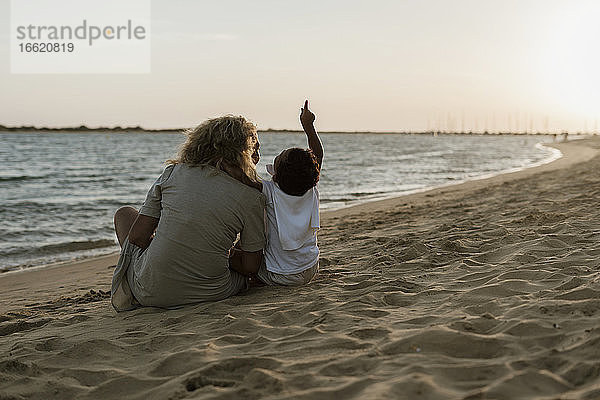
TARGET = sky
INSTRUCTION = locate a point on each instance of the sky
(472, 65)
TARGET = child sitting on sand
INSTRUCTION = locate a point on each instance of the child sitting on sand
(291, 256)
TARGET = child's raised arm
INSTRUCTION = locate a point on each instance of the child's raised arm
(307, 119)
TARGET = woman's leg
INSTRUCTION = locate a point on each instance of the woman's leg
(124, 219)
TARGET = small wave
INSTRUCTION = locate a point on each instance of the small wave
(338, 200)
(355, 199)
(89, 203)
(65, 247)
(77, 246)
(20, 178)
(362, 194)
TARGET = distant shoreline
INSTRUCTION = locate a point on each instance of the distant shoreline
(139, 129)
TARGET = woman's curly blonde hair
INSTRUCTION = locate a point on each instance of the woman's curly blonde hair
(223, 143)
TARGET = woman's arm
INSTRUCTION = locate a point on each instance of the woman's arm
(142, 231)
(245, 262)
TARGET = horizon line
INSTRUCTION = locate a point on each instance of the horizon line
(138, 128)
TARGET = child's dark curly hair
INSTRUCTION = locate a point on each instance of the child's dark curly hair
(297, 172)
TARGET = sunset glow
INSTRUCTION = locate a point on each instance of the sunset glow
(377, 66)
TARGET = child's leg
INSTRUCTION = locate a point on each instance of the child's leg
(309, 274)
(272, 278)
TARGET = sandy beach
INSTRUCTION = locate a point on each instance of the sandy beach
(485, 290)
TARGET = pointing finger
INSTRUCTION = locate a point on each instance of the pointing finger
(306, 104)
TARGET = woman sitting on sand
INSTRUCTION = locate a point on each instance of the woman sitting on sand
(175, 250)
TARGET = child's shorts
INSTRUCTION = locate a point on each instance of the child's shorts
(301, 278)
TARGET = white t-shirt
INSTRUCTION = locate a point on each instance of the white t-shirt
(292, 224)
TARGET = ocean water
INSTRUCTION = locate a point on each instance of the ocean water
(58, 191)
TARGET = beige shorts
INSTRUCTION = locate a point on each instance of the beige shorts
(301, 278)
